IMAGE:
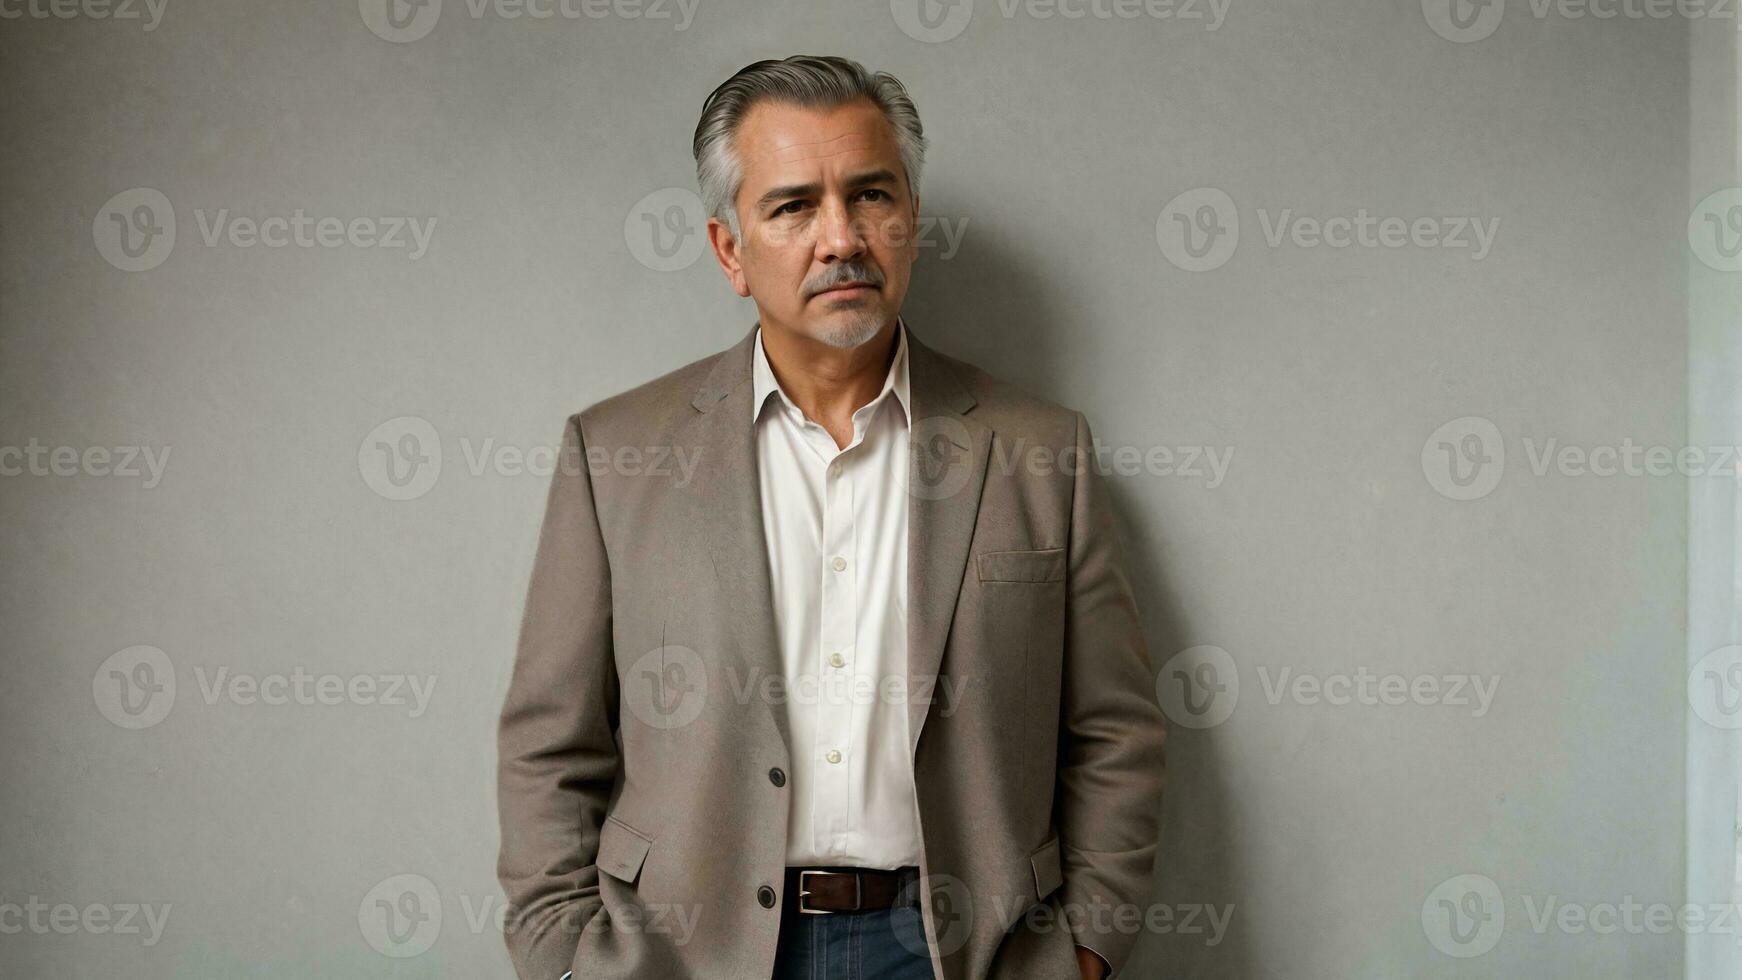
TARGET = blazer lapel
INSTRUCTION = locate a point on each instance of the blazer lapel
(947, 454)
(728, 496)
(946, 471)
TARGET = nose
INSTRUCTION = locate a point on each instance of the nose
(839, 237)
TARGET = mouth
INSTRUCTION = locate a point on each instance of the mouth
(848, 289)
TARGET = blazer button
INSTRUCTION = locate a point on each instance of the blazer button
(777, 777)
(765, 895)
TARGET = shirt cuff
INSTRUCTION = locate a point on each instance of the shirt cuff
(1106, 967)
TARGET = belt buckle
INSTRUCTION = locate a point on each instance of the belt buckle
(858, 892)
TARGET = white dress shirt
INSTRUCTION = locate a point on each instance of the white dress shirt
(835, 522)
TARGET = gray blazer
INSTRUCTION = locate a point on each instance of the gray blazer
(643, 818)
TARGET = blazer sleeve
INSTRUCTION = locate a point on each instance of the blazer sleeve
(556, 740)
(1110, 777)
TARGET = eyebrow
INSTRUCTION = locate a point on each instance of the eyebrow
(856, 182)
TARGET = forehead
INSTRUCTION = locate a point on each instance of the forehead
(778, 138)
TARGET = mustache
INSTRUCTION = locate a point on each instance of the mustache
(847, 274)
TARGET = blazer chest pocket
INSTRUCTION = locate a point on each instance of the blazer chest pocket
(622, 850)
(1044, 565)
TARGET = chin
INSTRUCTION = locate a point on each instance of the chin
(850, 330)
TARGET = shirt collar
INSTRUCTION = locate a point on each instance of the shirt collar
(763, 382)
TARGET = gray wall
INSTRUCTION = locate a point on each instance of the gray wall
(273, 545)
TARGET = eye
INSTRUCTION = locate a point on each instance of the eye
(790, 204)
(881, 195)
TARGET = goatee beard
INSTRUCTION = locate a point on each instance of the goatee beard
(857, 330)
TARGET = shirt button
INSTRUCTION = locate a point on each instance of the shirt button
(777, 777)
(765, 896)
(833, 756)
(836, 660)
(838, 564)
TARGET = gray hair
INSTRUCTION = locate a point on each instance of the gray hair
(812, 81)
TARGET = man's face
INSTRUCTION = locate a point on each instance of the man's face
(824, 202)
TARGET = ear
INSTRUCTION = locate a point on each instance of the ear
(913, 227)
(726, 252)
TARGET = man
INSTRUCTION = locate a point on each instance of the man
(787, 706)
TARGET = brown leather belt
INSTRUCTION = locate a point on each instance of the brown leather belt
(823, 891)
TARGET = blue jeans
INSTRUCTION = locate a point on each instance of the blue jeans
(887, 944)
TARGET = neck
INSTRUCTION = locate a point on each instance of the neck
(829, 383)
